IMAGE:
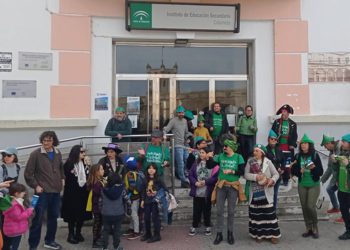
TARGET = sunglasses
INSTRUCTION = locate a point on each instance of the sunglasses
(82, 152)
(7, 155)
(225, 146)
(273, 139)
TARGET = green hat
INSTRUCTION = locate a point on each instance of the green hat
(5, 202)
(200, 118)
(198, 139)
(326, 139)
(306, 139)
(232, 144)
(189, 114)
(346, 138)
(261, 147)
(120, 109)
(180, 109)
(272, 134)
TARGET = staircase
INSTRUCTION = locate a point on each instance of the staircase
(288, 207)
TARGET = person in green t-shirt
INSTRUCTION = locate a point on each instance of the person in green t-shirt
(344, 184)
(231, 168)
(155, 152)
(308, 168)
(217, 124)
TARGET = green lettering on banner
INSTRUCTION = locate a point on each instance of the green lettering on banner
(141, 15)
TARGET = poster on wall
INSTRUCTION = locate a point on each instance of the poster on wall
(18, 89)
(34, 61)
(5, 61)
(133, 105)
(133, 119)
(231, 119)
(101, 102)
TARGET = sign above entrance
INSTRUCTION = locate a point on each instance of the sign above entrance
(182, 16)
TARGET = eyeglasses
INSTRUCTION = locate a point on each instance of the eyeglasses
(82, 152)
(7, 155)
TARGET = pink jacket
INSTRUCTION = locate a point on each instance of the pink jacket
(16, 219)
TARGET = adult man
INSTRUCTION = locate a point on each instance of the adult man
(246, 128)
(334, 149)
(155, 152)
(178, 126)
(286, 129)
(44, 173)
(343, 181)
(118, 126)
(216, 122)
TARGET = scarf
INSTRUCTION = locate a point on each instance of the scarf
(79, 170)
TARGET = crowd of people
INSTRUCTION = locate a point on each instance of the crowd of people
(210, 160)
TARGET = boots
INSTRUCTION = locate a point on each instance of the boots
(308, 232)
(230, 238)
(218, 239)
(71, 239)
(315, 233)
(154, 238)
(146, 237)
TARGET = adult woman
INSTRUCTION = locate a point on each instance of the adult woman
(228, 188)
(308, 168)
(262, 174)
(75, 193)
(112, 162)
(246, 129)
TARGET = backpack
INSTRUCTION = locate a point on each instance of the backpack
(5, 176)
(134, 181)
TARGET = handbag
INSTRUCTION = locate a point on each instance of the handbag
(321, 198)
(89, 202)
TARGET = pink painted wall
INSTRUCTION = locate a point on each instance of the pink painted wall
(108, 8)
(74, 68)
(288, 68)
(291, 36)
(295, 95)
(70, 101)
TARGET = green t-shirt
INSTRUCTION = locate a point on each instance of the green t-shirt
(306, 179)
(155, 154)
(226, 162)
(343, 179)
(284, 132)
(217, 124)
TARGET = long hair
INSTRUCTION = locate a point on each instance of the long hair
(50, 134)
(206, 150)
(19, 188)
(93, 178)
(156, 173)
(311, 150)
(74, 154)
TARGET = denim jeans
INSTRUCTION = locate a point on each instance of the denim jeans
(275, 193)
(51, 203)
(331, 189)
(181, 155)
(161, 197)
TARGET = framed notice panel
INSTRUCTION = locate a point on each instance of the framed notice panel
(182, 16)
(18, 89)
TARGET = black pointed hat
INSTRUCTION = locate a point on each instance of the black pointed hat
(286, 107)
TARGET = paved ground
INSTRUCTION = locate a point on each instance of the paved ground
(175, 238)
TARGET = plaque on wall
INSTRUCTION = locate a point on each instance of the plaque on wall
(34, 61)
(18, 89)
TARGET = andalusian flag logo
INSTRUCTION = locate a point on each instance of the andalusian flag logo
(141, 15)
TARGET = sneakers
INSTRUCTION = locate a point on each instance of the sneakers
(129, 232)
(52, 245)
(192, 232)
(134, 236)
(339, 220)
(333, 211)
(154, 238)
(207, 231)
(345, 236)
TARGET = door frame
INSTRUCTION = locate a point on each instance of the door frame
(154, 79)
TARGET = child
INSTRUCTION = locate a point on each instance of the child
(132, 186)
(203, 176)
(201, 130)
(16, 217)
(95, 183)
(112, 209)
(152, 186)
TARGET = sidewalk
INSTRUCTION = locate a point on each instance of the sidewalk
(175, 237)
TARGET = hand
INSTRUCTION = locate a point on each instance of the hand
(63, 182)
(119, 136)
(198, 184)
(345, 161)
(251, 127)
(165, 164)
(291, 147)
(164, 137)
(190, 150)
(259, 177)
(312, 166)
(211, 128)
(229, 171)
(203, 183)
(270, 182)
(332, 158)
(302, 170)
(141, 151)
(6, 184)
(210, 154)
(142, 204)
(39, 189)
